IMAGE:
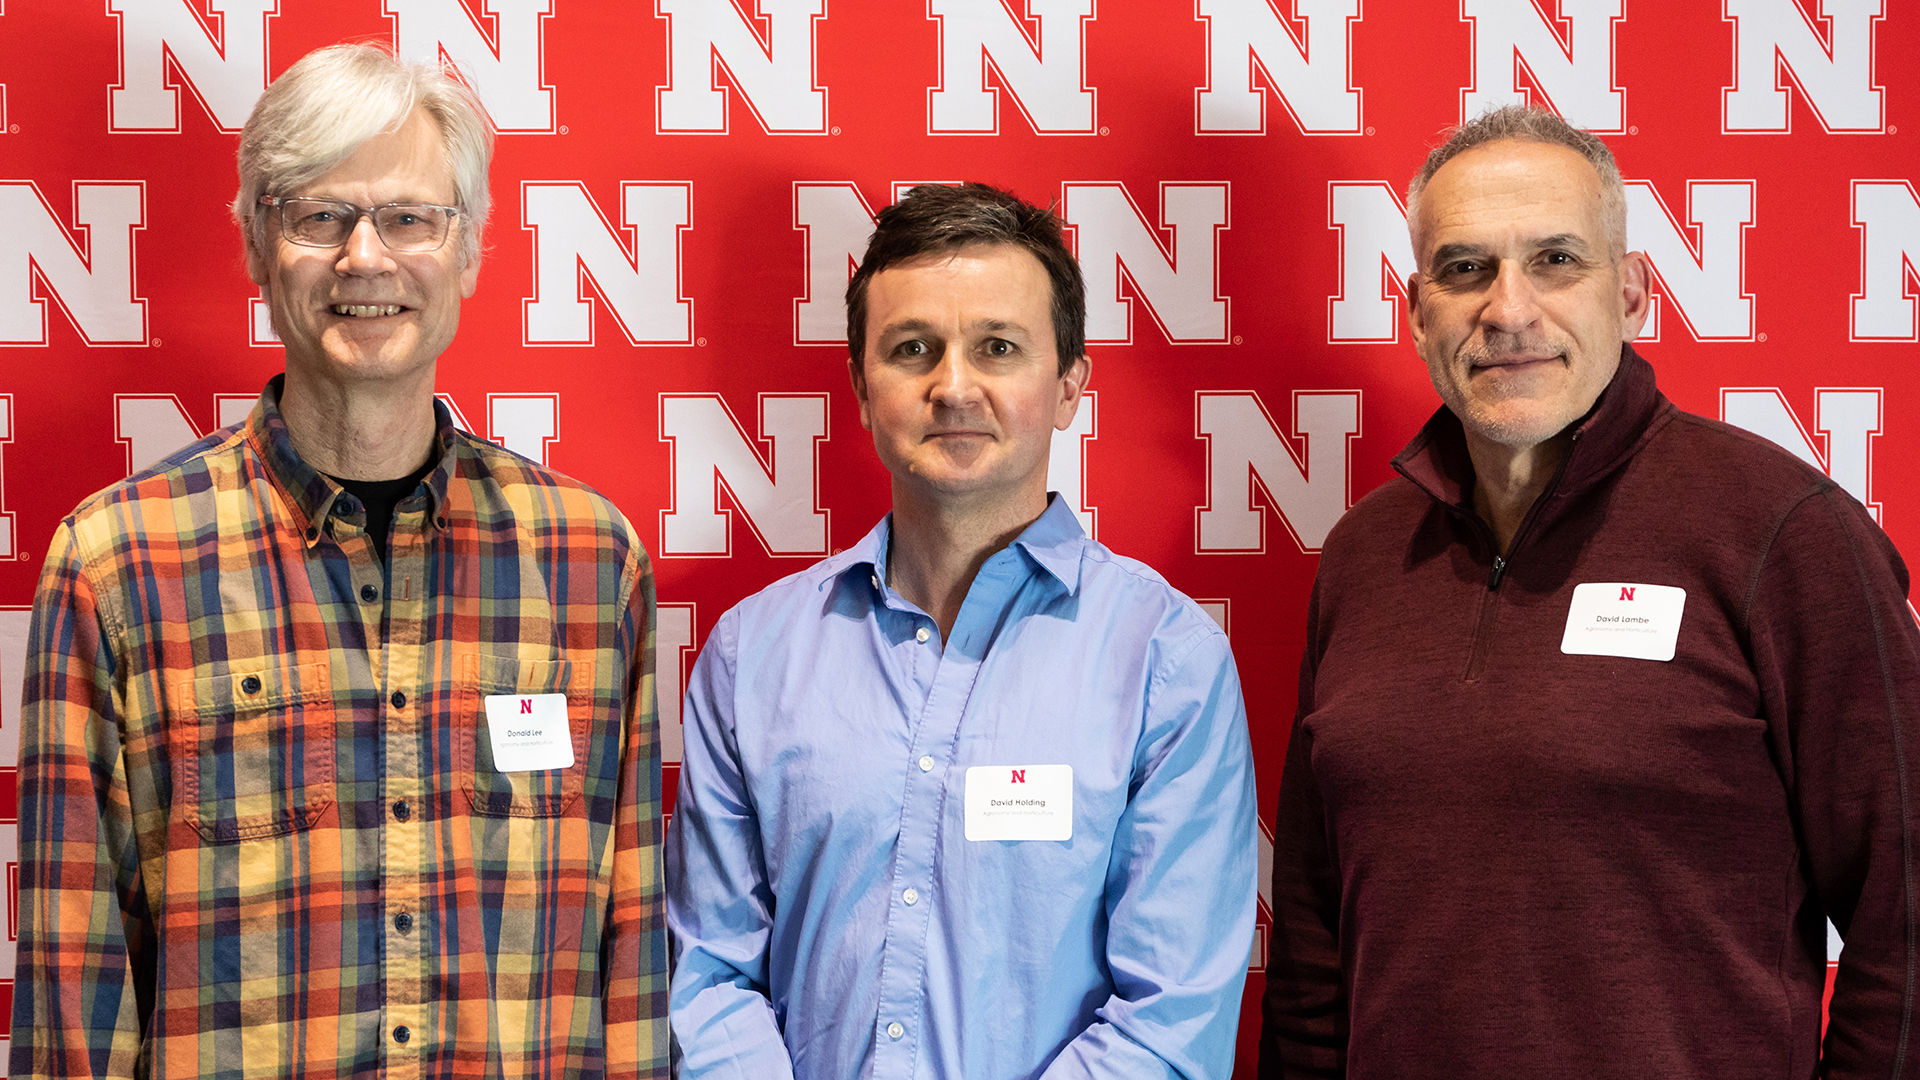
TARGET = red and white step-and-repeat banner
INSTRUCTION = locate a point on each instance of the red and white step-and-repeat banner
(682, 187)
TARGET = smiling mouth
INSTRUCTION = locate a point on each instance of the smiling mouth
(1487, 363)
(367, 311)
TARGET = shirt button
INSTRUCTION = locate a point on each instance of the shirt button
(401, 1034)
(369, 593)
(926, 764)
(250, 684)
(921, 635)
(313, 533)
(894, 1030)
(402, 811)
(403, 922)
(399, 700)
(911, 896)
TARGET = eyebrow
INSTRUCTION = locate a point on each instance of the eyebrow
(919, 326)
(1570, 241)
(904, 326)
(1448, 252)
(997, 326)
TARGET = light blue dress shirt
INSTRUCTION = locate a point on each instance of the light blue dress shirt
(831, 919)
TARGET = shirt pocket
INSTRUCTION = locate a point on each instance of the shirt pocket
(251, 748)
(542, 793)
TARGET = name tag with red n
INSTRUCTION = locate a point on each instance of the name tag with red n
(1624, 618)
(529, 732)
(1020, 802)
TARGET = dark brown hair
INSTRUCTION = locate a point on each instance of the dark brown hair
(937, 218)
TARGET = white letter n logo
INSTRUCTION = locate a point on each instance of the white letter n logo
(92, 280)
(776, 79)
(778, 494)
(227, 76)
(1046, 78)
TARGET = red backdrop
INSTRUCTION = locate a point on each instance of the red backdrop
(681, 186)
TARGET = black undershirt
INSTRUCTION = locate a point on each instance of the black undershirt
(380, 497)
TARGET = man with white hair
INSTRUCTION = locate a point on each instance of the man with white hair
(338, 754)
(1607, 709)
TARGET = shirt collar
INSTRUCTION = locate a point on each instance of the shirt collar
(1052, 543)
(309, 493)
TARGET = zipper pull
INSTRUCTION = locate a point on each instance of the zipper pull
(1499, 571)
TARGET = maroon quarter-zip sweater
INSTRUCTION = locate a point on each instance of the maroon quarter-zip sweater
(1495, 859)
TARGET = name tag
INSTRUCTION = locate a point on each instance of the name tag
(1020, 802)
(1614, 618)
(529, 732)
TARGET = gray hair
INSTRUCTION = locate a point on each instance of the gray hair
(1527, 124)
(332, 100)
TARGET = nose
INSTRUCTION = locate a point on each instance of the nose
(364, 253)
(1513, 304)
(956, 383)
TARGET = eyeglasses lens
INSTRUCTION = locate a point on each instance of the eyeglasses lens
(327, 223)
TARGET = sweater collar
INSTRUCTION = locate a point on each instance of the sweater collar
(1626, 414)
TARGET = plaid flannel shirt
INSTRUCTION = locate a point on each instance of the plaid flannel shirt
(261, 831)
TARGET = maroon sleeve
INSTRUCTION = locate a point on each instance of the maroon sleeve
(1837, 656)
(1304, 1028)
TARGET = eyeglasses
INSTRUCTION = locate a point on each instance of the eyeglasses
(326, 223)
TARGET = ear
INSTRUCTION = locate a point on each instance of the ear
(470, 264)
(256, 259)
(1636, 279)
(860, 392)
(1072, 385)
(1416, 319)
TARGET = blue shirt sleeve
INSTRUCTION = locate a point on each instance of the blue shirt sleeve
(1181, 888)
(719, 904)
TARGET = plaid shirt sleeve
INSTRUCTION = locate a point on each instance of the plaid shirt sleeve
(635, 991)
(77, 1008)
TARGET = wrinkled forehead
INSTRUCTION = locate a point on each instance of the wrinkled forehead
(1511, 193)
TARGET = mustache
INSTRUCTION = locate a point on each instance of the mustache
(1494, 349)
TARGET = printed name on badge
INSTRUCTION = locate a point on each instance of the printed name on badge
(1616, 618)
(1020, 802)
(529, 732)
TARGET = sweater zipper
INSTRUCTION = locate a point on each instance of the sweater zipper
(1483, 630)
(1490, 603)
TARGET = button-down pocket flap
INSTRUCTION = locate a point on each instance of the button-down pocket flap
(256, 687)
(252, 749)
(544, 793)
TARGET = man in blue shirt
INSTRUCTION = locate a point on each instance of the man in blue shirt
(972, 798)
